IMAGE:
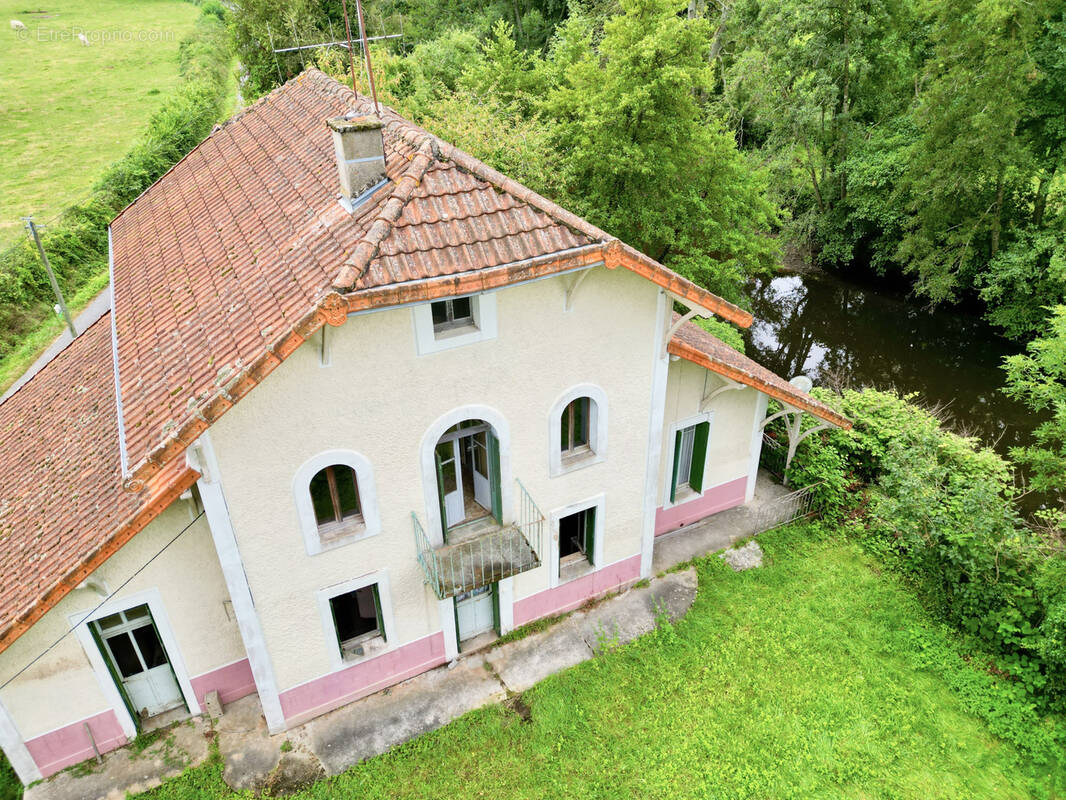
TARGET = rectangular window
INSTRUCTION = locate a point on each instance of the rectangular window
(574, 427)
(690, 456)
(684, 467)
(357, 619)
(455, 313)
(577, 535)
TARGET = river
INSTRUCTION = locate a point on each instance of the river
(842, 334)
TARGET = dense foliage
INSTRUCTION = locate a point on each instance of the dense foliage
(77, 242)
(1038, 377)
(940, 508)
(926, 138)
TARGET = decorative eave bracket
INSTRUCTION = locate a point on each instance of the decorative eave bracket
(793, 425)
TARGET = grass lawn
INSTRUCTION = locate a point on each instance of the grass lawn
(67, 111)
(806, 678)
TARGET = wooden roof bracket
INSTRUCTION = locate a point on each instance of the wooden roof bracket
(728, 386)
(793, 425)
(575, 282)
(692, 311)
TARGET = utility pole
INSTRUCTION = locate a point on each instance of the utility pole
(51, 275)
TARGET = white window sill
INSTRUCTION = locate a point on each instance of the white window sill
(573, 566)
(684, 494)
(362, 648)
(453, 331)
(339, 534)
(573, 461)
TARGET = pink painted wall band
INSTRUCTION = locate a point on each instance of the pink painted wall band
(71, 745)
(232, 682)
(309, 700)
(573, 593)
(715, 499)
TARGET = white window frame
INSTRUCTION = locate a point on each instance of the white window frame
(428, 340)
(323, 596)
(558, 464)
(368, 499)
(154, 600)
(689, 494)
(599, 502)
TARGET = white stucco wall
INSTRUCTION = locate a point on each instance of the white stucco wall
(378, 398)
(62, 689)
(734, 412)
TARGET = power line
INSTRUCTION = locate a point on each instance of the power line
(100, 605)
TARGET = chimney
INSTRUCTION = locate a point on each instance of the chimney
(360, 156)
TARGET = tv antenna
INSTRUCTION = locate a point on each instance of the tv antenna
(346, 43)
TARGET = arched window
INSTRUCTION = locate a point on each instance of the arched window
(574, 427)
(335, 497)
(578, 425)
(335, 500)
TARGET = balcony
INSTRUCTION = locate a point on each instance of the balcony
(484, 553)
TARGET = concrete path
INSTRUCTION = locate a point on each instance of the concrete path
(724, 528)
(99, 306)
(331, 743)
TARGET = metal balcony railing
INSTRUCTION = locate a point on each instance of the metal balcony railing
(492, 554)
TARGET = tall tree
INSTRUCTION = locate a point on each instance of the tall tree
(984, 145)
(640, 156)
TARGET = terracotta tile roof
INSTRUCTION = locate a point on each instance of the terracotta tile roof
(62, 509)
(693, 343)
(241, 251)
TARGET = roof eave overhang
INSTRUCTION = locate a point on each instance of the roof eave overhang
(795, 399)
(164, 488)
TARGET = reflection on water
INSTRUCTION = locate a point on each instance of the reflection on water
(842, 334)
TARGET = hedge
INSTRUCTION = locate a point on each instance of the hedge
(77, 242)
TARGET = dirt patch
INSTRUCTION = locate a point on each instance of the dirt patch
(518, 705)
(295, 771)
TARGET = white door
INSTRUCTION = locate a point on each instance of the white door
(137, 655)
(451, 479)
(473, 612)
(480, 461)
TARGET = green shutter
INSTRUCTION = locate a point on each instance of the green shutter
(590, 535)
(115, 676)
(336, 628)
(440, 497)
(494, 477)
(496, 609)
(377, 610)
(699, 456)
(677, 463)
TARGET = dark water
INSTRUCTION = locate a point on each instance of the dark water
(845, 334)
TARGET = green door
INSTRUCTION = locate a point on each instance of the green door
(494, 476)
(440, 494)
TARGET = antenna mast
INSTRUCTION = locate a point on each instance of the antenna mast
(366, 55)
(348, 34)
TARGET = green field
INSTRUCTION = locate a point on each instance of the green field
(814, 677)
(66, 110)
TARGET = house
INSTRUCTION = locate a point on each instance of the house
(359, 401)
